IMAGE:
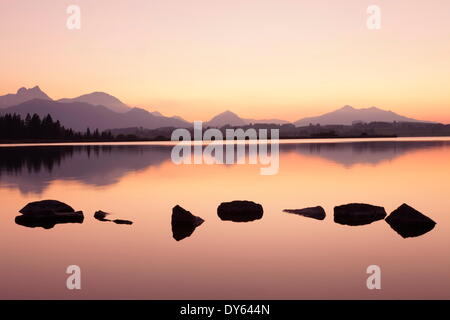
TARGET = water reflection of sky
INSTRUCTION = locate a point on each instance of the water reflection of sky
(281, 256)
(31, 169)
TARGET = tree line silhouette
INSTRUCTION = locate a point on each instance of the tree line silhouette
(13, 127)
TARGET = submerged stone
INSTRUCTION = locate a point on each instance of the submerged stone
(101, 215)
(48, 213)
(356, 214)
(183, 223)
(408, 222)
(120, 221)
(45, 207)
(240, 211)
(312, 212)
(48, 221)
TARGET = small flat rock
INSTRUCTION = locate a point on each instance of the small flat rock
(356, 214)
(408, 222)
(311, 212)
(120, 221)
(240, 211)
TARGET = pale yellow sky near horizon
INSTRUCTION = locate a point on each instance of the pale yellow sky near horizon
(285, 59)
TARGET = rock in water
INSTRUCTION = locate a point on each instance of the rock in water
(120, 221)
(312, 212)
(356, 214)
(240, 211)
(408, 222)
(48, 221)
(182, 216)
(101, 215)
(45, 207)
(183, 223)
(47, 214)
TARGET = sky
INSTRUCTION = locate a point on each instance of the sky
(285, 59)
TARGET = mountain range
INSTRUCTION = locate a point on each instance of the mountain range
(348, 115)
(80, 116)
(95, 110)
(103, 111)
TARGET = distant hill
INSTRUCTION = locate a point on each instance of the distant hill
(22, 95)
(271, 121)
(80, 115)
(232, 119)
(100, 99)
(225, 118)
(349, 115)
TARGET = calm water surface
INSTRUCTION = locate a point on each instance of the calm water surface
(281, 256)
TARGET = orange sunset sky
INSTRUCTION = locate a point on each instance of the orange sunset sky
(283, 59)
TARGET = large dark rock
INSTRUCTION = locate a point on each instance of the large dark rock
(312, 212)
(240, 211)
(47, 214)
(183, 223)
(48, 221)
(356, 214)
(408, 222)
(46, 207)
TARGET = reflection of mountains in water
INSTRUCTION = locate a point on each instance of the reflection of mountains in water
(366, 152)
(31, 169)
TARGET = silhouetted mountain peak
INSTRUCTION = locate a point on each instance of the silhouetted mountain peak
(348, 115)
(100, 98)
(22, 95)
(228, 112)
(347, 108)
(102, 95)
(22, 90)
(226, 118)
(35, 91)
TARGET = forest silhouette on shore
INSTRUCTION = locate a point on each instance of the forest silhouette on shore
(36, 129)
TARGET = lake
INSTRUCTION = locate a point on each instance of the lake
(281, 256)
